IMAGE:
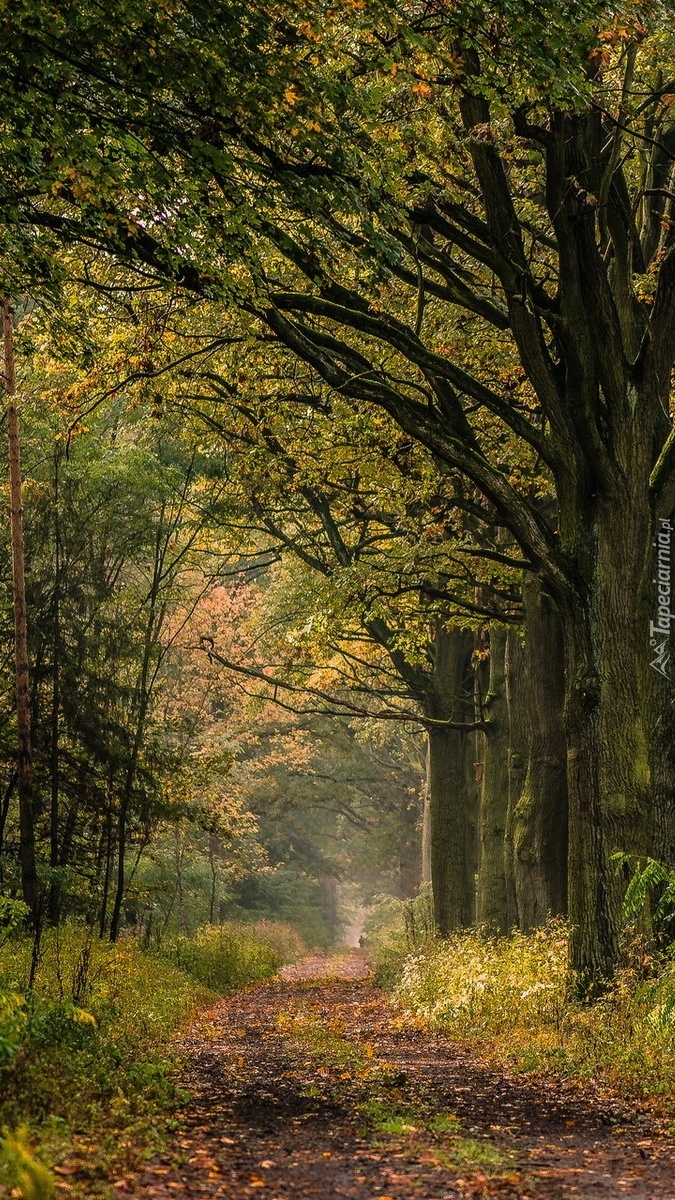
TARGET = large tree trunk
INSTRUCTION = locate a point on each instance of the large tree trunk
(473, 810)
(449, 699)
(663, 770)
(494, 796)
(426, 822)
(607, 657)
(29, 883)
(662, 705)
(516, 698)
(540, 814)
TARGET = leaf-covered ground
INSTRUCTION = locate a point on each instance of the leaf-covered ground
(311, 1086)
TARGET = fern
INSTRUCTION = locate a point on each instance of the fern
(652, 882)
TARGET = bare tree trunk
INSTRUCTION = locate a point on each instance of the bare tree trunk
(4, 810)
(145, 684)
(494, 797)
(409, 854)
(516, 698)
(540, 817)
(54, 889)
(213, 850)
(449, 704)
(426, 823)
(106, 878)
(329, 904)
(29, 883)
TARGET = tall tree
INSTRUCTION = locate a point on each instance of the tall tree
(524, 204)
(29, 880)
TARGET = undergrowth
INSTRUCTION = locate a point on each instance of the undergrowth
(510, 998)
(85, 1053)
(225, 957)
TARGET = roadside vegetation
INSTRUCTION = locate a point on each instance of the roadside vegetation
(88, 1063)
(509, 999)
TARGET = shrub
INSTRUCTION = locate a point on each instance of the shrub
(396, 928)
(284, 939)
(510, 996)
(97, 1015)
(22, 1171)
(225, 957)
(493, 983)
(88, 1049)
(12, 1025)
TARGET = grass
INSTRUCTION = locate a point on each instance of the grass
(418, 1126)
(87, 1064)
(508, 998)
(377, 1092)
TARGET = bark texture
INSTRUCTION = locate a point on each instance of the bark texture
(516, 698)
(540, 817)
(29, 882)
(494, 797)
(449, 699)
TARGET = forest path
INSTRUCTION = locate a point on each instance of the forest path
(310, 1087)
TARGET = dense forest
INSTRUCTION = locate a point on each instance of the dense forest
(335, 577)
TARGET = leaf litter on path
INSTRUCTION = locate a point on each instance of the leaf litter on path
(310, 1087)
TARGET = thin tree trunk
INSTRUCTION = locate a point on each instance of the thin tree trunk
(54, 890)
(409, 860)
(29, 883)
(106, 878)
(213, 847)
(120, 874)
(329, 904)
(68, 833)
(144, 689)
(4, 810)
(180, 856)
(426, 822)
(494, 797)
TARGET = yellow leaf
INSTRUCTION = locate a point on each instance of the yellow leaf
(84, 1018)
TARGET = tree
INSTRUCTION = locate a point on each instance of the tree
(523, 204)
(29, 880)
(394, 567)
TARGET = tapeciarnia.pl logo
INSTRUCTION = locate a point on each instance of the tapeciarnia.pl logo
(659, 630)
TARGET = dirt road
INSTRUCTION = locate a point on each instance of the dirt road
(310, 1087)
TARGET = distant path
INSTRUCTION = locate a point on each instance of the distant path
(353, 965)
(296, 1085)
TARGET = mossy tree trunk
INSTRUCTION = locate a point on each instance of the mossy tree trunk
(494, 795)
(516, 698)
(540, 816)
(449, 706)
(607, 718)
